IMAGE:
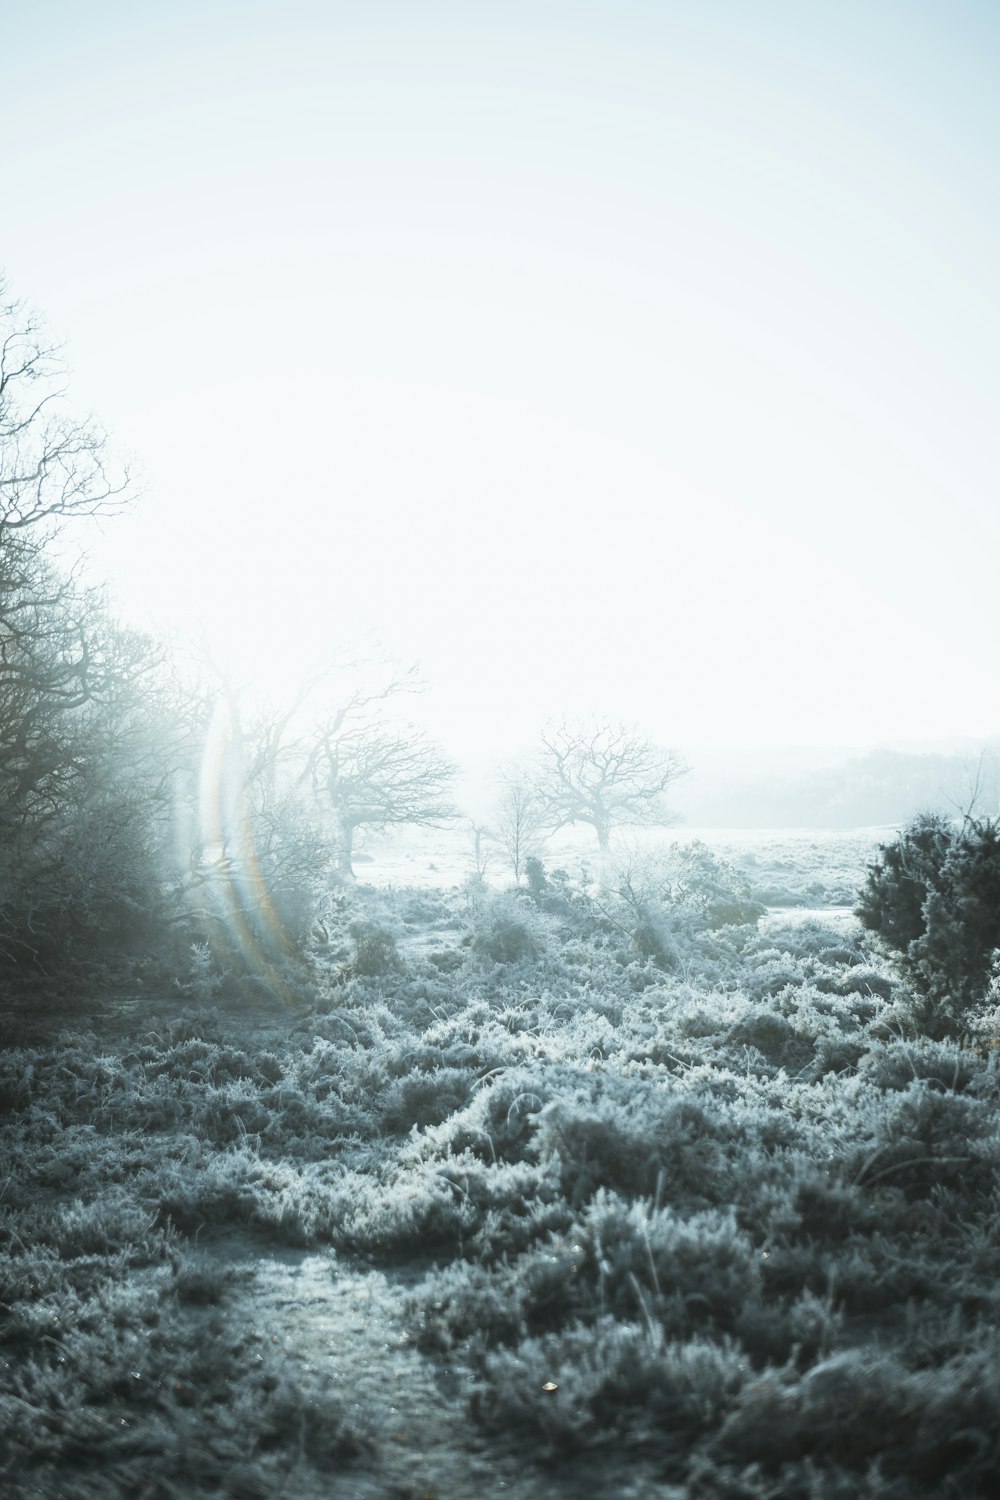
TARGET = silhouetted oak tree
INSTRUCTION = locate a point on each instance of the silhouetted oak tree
(605, 775)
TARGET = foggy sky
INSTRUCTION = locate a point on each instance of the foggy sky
(640, 357)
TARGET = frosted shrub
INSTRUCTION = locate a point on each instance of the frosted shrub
(860, 1408)
(642, 1257)
(864, 979)
(612, 1381)
(946, 1066)
(505, 930)
(375, 951)
(775, 1037)
(504, 1116)
(420, 1098)
(926, 1138)
(467, 1301)
(838, 1052)
(667, 1142)
(714, 891)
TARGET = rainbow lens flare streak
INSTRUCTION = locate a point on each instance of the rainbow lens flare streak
(243, 912)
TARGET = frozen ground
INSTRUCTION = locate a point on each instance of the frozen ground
(807, 867)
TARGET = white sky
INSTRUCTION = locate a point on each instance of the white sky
(617, 356)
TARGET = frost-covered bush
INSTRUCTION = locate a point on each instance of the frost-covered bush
(775, 1036)
(638, 1142)
(943, 1065)
(711, 888)
(375, 951)
(674, 906)
(922, 1137)
(690, 1268)
(534, 874)
(611, 1382)
(505, 930)
(425, 1098)
(862, 1408)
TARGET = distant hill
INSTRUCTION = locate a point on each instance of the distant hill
(789, 789)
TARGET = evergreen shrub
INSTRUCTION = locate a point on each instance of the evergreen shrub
(933, 896)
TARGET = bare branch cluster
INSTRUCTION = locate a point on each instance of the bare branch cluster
(54, 465)
(370, 772)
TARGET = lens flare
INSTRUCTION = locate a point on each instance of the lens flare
(243, 916)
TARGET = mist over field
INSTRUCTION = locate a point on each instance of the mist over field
(499, 751)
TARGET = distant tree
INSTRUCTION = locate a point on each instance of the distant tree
(370, 772)
(520, 819)
(980, 793)
(605, 775)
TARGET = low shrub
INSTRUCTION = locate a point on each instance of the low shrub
(611, 1383)
(504, 930)
(375, 951)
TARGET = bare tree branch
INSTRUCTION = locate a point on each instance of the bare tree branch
(53, 464)
(368, 772)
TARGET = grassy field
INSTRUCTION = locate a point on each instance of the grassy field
(504, 1199)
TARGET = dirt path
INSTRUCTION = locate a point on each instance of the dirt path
(339, 1329)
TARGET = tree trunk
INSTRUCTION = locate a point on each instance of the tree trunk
(345, 850)
(604, 860)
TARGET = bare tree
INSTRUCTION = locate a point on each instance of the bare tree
(54, 635)
(53, 464)
(370, 772)
(605, 775)
(81, 784)
(982, 785)
(520, 819)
